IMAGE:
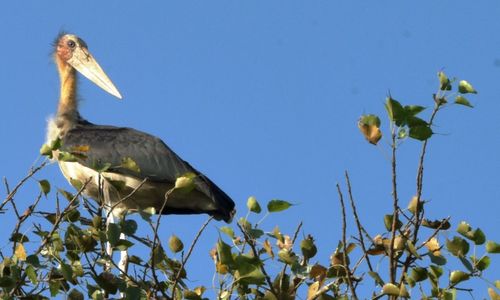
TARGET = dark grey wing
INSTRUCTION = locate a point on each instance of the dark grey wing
(156, 161)
(108, 144)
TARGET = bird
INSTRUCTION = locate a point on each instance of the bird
(156, 167)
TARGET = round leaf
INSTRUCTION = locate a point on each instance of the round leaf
(277, 205)
(253, 205)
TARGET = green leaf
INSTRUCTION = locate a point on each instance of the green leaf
(46, 150)
(255, 233)
(413, 110)
(253, 205)
(287, 256)
(458, 246)
(248, 270)
(402, 133)
(33, 260)
(147, 213)
(465, 87)
(123, 245)
(436, 271)
(7, 282)
(463, 101)
(411, 248)
(395, 111)
(497, 284)
(31, 273)
(475, 235)
(420, 133)
(54, 287)
(437, 259)
(134, 259)
(492, 247)
(66, 194)
(44, 186)
(442, 224)
(227, 230)
(390, 289)
(419, 274)
(388, 222)
(175, 244)
(458, 276)
(185, 183)
(467, 264)
(67, 271)
(67, 157)
(75, 294)
(225, 255)
(19, 238)
(277, 205)
(113, 233)
(308, 248)
(444, 82)
(129, 163)
(108, 282)
(133, 292)
(77, 184)
(483, 263)
(128, 227)
(100, 167)
(377, 278)
(413, 121)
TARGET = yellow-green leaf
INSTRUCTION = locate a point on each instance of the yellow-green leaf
(129, 163)
(253, 205)
(465, 87)
(463, 101)
(175, 244)
(44, 186)
(20, 252)
(277, 205)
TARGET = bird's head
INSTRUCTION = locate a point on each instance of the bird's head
(71, 50)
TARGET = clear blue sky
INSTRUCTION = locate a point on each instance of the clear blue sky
(264, 96)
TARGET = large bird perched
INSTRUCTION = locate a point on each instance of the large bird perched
(156, 166)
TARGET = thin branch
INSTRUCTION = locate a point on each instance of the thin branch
(157, 239)
(420, 176)
(395, 216)
(344, 244)
(185, 259)
(16, 188)
(358, 223)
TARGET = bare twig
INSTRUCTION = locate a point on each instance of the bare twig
(185, 259)
(344, 245)
(157, 239)
(395, 216)
(16, 188)
(358, 223)
(420, 177)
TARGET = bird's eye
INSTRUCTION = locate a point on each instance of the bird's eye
(71, 44)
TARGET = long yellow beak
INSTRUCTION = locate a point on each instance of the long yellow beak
(85, 63)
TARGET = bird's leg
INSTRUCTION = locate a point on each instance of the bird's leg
(123, 264)
(111, 218)
(109, 249)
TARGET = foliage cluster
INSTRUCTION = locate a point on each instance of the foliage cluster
(69, 257)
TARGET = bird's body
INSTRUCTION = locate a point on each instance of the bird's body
(157, 166)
